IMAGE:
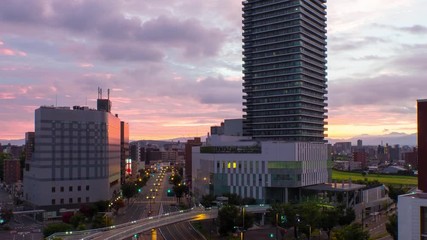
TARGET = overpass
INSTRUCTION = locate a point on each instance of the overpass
(129, 229)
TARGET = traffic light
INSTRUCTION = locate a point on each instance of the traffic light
(283, 219)
(170, 193)
(271, 235)
(1, 221)
(135, 235)
(139, 190)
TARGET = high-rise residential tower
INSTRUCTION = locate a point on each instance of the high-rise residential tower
(284, 48)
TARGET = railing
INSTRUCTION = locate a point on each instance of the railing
(126, 230)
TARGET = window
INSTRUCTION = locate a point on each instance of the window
(79, 188)
(62, 189)
(79, 200)
(53, 202)
(62, 201)
(70, 200)
(87, 187)
(87, 199)
(53, 189)
(70, 188)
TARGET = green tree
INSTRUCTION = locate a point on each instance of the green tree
(391, 226)
(175, 179)
(352, 232)
(179, 191)
(227, 219)
(129, 190)
(345, 215)
(233, 198)
(328, 220)
(88, 210)
(56, 227)
(118, 204)
(248, 201)
(207, 200)
(101, 206)
(101, 221)
(249, 220)
(77, 219)
(394, 192)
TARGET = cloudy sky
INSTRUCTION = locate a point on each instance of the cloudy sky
(174, 66)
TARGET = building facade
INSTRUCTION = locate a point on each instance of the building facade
(412, 208)
(76, 157)
(284, 49)
(11, 171)
(267, 171)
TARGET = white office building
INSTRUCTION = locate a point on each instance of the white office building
(268, 171)
(412, 217)
(76, 157)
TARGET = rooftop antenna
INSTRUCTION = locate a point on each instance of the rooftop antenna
(56, 100)
(108, 92)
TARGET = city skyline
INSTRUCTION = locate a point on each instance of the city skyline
(174, 72)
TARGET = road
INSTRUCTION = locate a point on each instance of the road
(177, 231)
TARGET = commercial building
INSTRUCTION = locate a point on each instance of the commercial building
(268, 171)
(278, 147)
(412, 208)
(76, 158)
(284, 49)
(11, 171)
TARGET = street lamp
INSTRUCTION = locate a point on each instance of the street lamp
(242, 234)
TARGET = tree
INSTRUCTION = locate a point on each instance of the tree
(248, 201)
(227, 219)
(345, 216)
(129, 190)
(233, 198)
(66, 217)
(352, 232)
(328, 220)
(391, 226)
(88, 210)
(394, 192)
(101, 206)
(175, 180)
(207, 200)
(101, 221)
(77, 219)
(56, 227)
(118, 204)
(179, 191)
(249, 220)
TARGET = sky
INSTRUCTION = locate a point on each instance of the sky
(174, 67)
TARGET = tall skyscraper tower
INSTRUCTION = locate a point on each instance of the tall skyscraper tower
(284, 48)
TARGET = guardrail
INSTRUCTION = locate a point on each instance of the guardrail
(137, 225)
(128, 229)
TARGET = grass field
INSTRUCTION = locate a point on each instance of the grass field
(382, 178)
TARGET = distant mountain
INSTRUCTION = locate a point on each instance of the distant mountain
(17, 142)
(391, 138)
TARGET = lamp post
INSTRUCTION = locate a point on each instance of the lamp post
(242, 233)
